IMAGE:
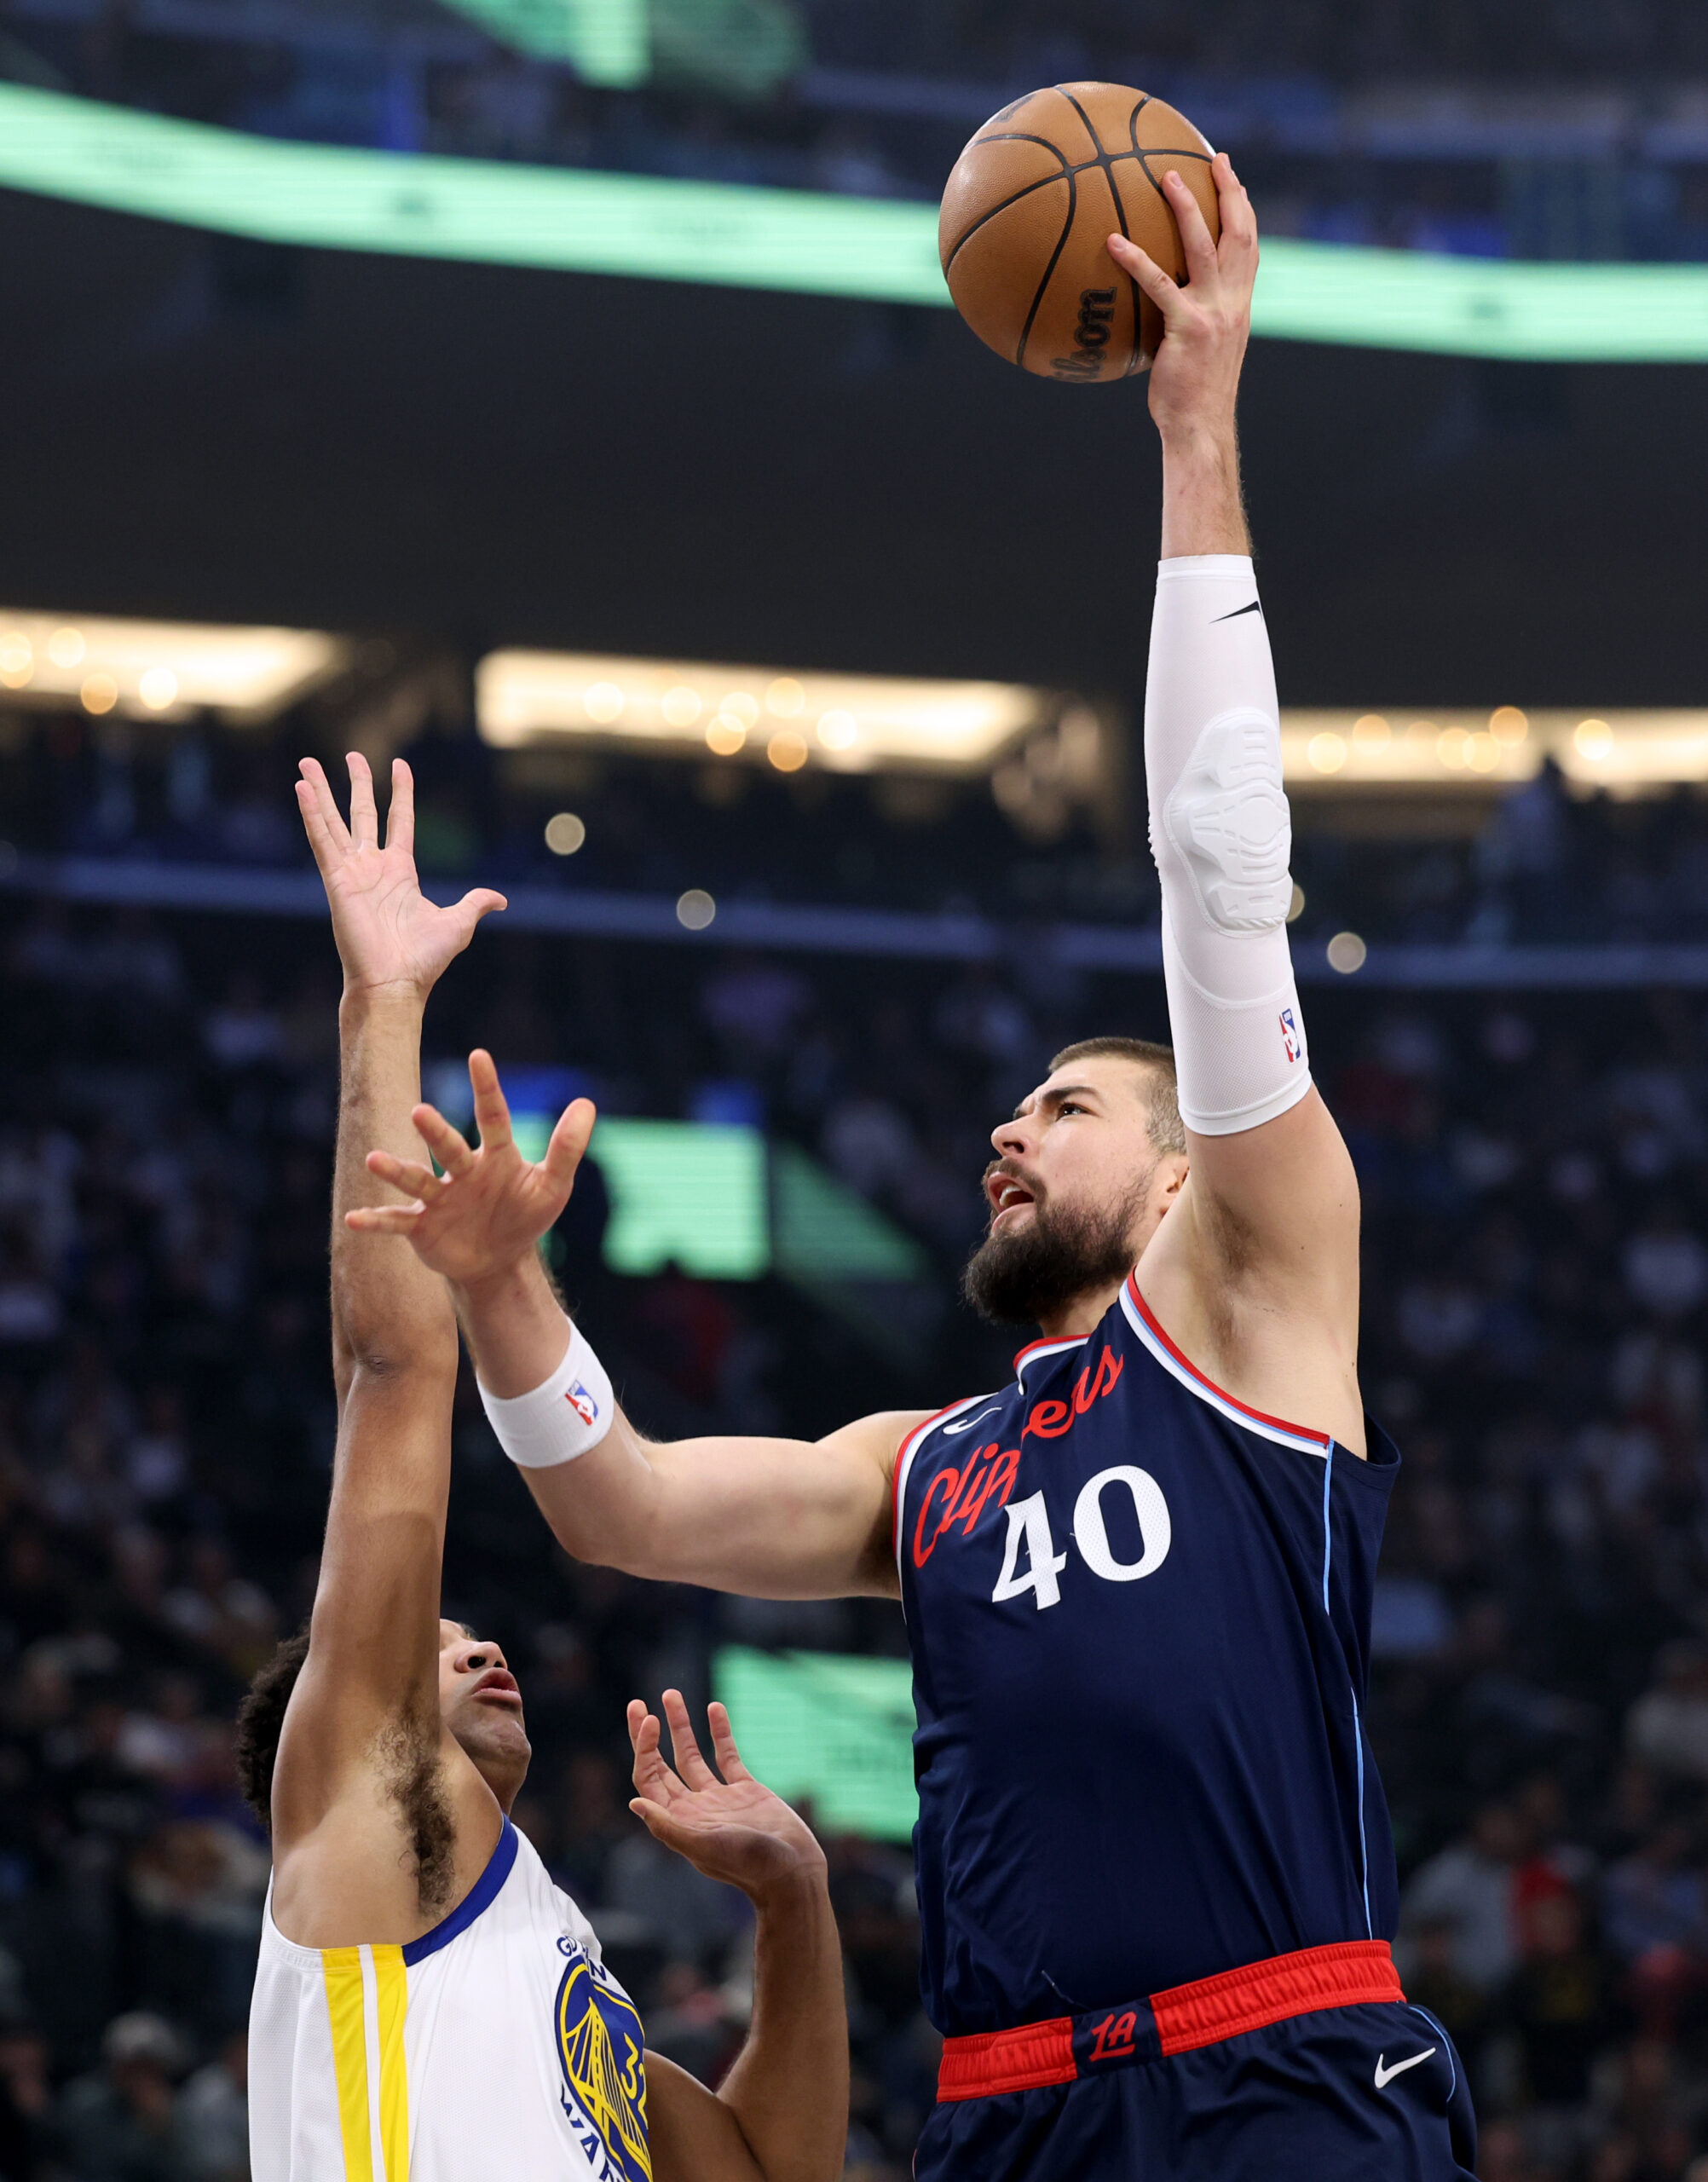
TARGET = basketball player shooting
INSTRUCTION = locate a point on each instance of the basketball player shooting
(428, 2005)
(1156, 1880)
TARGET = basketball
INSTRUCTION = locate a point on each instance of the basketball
(1025, 213)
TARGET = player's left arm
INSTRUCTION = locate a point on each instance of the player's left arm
(1261, 1252)
(373, 1637)
(781, 2115)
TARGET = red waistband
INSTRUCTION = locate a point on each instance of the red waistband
(1349, 1974)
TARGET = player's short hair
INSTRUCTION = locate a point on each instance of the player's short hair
(1164, 1126)
(260, 1720)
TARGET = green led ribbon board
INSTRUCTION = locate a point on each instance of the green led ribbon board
(715, 1199)
(821, 1231)
(687, 1193)
(798, 240)
(828, 1729)
(606, 39)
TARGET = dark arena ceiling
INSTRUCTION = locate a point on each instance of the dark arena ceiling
(195, 426)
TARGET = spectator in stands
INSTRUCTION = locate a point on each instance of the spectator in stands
(26, 2101)
(1560, 2007)
(1667, 1727)
(119, 2124)
(1469, 1886)
(213, 2116)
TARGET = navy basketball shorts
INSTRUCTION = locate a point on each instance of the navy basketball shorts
(1309, 2068)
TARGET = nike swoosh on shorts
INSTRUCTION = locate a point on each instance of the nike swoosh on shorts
(1385, 2076)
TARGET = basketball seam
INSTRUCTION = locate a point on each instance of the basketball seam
(1043, 183)
(1138, 293)
(1049, 270)
(1023, 137)
(1105, 159)
(1098, 145)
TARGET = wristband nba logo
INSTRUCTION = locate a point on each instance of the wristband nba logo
(1290, 1040)
(583, 1404)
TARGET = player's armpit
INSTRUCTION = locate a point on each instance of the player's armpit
(766, 1518)
(1254, 1273)
(1276, 1209)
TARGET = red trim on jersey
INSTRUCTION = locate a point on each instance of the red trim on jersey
(913, 1440)
(1280, 1423)
(1350, 1973)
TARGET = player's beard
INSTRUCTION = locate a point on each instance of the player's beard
(1062, 1253)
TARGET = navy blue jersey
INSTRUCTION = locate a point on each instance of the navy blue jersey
(1139, 1618)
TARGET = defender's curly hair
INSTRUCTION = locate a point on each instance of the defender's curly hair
(260, 1718)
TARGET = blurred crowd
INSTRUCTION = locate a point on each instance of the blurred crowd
(1542, 862)
(1536, 1283)
(875, 97)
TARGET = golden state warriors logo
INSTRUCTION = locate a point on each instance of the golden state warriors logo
(600, 2045)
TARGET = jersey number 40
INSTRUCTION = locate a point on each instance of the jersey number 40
(1029, 1530)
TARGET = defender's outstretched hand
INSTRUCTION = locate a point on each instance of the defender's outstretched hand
(734, 1829)
(1195, 379)
(389, 933)
(490, 1207)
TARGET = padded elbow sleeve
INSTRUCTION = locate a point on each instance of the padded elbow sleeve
(1221, 835)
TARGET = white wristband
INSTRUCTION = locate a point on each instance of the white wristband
(571, 1413)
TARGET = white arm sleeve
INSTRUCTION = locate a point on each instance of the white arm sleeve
(1221, 835)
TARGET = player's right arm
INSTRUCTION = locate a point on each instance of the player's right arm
(1256, 1270)
(767, 1518)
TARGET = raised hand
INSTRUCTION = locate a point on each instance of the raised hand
(734, 1829)
(1195, 379)
(489, 1207)
(390, 935)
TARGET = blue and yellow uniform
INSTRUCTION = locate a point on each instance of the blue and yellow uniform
(1156, 1877)
(497, 2045)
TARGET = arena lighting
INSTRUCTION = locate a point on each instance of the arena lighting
(831, 1726)
(159, 670)
(1628, 753)
(800, 240)
(847, 723)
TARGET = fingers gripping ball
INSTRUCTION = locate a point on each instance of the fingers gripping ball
(1026, 214)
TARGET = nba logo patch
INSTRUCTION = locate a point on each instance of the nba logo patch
(1290, 1040)
(583, 1404)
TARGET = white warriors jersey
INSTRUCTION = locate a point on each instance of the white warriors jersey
(495, 2048)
